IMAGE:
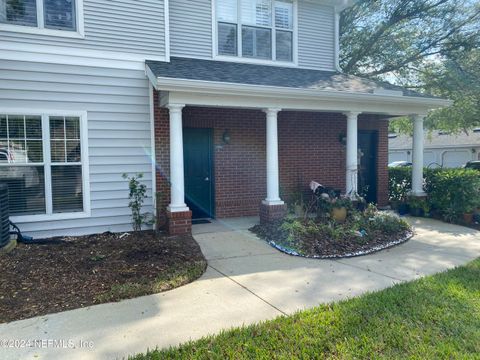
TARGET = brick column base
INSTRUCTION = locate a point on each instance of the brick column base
(269, 213)
(179, 223)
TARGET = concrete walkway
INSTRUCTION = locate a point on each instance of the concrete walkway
(246, 281)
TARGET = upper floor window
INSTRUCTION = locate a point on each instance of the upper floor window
(42, 14)
(257, 29)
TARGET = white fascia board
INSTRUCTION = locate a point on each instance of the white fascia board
(350, 100)
(288, 103)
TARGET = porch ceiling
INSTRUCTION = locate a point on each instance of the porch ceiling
(251, 85)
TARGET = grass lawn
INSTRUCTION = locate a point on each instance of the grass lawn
(437, 317)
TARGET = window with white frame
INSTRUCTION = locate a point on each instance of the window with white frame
(44, 14)
(41, 163)
(257, 29)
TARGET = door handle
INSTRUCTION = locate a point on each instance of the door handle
(207, 179)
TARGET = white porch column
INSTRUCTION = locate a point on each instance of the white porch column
(417, 156)
(351, 188)
(177, 187)
(273, 194)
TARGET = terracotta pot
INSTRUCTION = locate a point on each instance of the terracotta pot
(468, 218)
(339, 214)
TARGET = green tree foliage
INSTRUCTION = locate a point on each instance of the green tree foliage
(427, 45)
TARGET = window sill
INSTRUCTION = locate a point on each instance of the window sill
(41, 31)
(239, 59)
(50, 217)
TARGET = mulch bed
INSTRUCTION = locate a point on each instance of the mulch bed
(326, 247)
(76, 272)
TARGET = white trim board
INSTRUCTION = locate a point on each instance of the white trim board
(196, 92)
(74, 56)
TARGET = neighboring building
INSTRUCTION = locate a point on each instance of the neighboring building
(441, 149)
(248, 90)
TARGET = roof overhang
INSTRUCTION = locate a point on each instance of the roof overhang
(211, 93)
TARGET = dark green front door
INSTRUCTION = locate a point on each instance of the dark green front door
(367, 174)
(198, 163)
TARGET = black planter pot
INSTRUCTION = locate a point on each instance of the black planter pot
(403, 209)
(418, 212)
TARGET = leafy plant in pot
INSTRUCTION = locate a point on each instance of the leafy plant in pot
(398, 192)
(468, 215)
(418, 206)
(340, 207)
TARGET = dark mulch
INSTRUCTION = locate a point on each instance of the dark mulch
(325, 246)
(82, 271)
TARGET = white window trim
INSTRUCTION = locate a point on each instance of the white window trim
(238, 57)
(49, 216)
(40, 30)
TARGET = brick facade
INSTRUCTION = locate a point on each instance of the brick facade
(309, 149)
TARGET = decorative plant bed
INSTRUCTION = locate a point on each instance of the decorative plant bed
(75, 272)
(323, 238)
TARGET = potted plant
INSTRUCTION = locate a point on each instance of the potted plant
(403, 208)
(418, 206)
(398, 192)
(468, 215)
(340, 208)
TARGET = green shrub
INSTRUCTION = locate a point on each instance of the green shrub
(387, 223)
(399, 183)
(137, 195)
(451, 192)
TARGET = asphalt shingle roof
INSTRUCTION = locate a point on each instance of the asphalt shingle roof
(253, 74)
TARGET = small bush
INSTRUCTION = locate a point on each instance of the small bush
(451, 192)
(399, 183)
(388, 224)
(137, 195)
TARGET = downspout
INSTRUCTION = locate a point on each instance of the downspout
(153, 157)
(338, 10)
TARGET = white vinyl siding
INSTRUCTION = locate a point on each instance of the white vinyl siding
(135, 27)
(119, 139)
(316, 36)
(191, 28)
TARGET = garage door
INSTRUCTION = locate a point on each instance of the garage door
(397, 156)
(429, 159)
(453, 159)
